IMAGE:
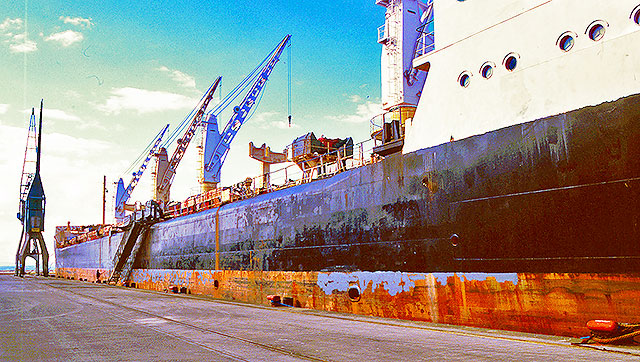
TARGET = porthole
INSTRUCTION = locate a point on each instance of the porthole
(464, 79)
(454, 239)
(596, 30)
(566, 41)
(635, 15)
(354, 293)
(510, 62)
(486, 70)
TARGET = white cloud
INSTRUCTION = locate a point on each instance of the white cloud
(264, 117)
(145, 101)
(185, 80)
(78, 21)
(60, 115)
(364, 113)
(4, 108)
(52, 114)
(9, 23)
(57, 114)
(66, 38)
(270, 120)
(284, 124)
(18, 43)
(27, 46)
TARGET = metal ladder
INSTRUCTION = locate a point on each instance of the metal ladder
(127, 251)
(132, 240)
(128, 266)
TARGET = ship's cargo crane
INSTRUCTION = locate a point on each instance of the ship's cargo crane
(166, 169)
(123, 194)
(32, 207)
(217, 144)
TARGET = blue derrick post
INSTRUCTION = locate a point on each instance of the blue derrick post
(217, 144)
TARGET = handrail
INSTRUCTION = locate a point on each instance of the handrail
(289, 175)
(375, 125)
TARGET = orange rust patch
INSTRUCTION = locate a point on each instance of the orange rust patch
(558, 304)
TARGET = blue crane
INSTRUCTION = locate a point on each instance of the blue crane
(166, 169)
(123, 194)
(31, 214)
(217, 144)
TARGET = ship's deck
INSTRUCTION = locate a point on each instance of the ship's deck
(61, 320)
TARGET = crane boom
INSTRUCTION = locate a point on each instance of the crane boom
(29, 164)
(163, 183)
(123, 194)
(216, 153)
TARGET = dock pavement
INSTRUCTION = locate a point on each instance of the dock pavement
(51, 319)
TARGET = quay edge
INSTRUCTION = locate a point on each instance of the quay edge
(553, 304)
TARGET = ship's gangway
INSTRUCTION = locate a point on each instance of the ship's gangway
(136, 233)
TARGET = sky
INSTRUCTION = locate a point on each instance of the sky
(112, 74)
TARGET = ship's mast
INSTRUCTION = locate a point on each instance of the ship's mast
(402, 29)
(404, 35)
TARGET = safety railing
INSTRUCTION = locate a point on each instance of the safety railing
(71, 235)
(326, 165)
(426, 44)
(377, 123)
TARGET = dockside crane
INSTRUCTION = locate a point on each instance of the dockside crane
(123, 194)
(166, 169)
(32, 207)
(217, 144)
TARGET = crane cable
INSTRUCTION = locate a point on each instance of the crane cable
(224, 103)
(235, 93)
(178, 131)
(143, 154)
(140, 157)
(289, 83)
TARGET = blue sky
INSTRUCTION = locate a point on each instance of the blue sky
(113, 73)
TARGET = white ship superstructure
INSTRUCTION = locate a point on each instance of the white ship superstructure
(498, 63)
(405, 23)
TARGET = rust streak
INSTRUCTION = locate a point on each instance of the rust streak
(218, 239)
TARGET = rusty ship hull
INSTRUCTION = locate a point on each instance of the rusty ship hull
(533, 227)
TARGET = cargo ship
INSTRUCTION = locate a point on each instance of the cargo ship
(500, 188)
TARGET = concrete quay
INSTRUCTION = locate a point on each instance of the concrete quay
(49, 319)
